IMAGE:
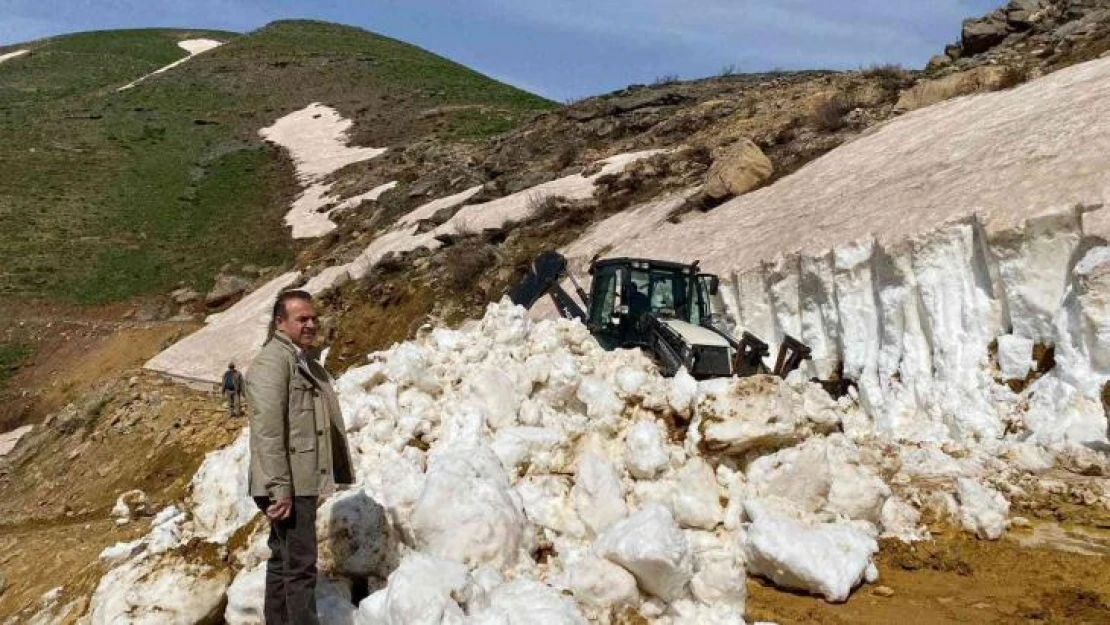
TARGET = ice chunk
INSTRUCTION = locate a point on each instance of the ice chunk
(421, 590)
(827, 559)
(467, 512)
(355, 536)
(1015, 356)
(645, 452)
(718, 571)
(246, 595)
(697, 499)
(524, 602)
(598, 494)
(760, 413)
(165, 589)
(220, 499)
(600, 584)
(983, 510)
(823, 474)
(547, 503)
(652, 547)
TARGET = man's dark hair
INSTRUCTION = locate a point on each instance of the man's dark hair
(285, 296)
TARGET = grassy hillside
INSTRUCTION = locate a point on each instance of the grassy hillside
(108, 195)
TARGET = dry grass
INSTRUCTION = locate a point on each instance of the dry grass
(828, 115)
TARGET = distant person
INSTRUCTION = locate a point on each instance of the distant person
(233, 391)
(299, 453)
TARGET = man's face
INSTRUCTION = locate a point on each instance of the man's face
(299, 322)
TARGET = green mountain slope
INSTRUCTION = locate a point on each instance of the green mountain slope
(107, 195)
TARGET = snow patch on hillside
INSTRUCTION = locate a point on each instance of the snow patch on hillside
(192, 46)
(316, 138)
(235, 335)
(7, 56)
(472, 218)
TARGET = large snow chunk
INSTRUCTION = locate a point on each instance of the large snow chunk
(159, 590)
(652, 547)
(697, 499)
(421, 590)
(761, 412)
(718, 571)
(600, 584)
(1015, 356)
(827, 559)
(823, 474)
(246, 596)
(524, 602)
(546, 500)
(220, 499)
(598, 494)
(983, 510)
(355, 536)
(645, 451)
(467, 512)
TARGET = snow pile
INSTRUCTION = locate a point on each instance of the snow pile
(192, 46)
(316, 138)
(515, 472)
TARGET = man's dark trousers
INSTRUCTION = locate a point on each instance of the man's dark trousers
(291, 569)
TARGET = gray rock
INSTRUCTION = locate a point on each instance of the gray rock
(980, 35)
(227, 288)
(937, 62)
(3, 583)
(184, 295)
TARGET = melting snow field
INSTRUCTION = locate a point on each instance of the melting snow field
(316, 138)
(514, 472)
(192, 46)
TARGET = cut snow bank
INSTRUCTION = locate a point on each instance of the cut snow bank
(316, 138)
(515, 472)
(192, 46)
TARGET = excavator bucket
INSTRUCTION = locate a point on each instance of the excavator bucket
(543, 278)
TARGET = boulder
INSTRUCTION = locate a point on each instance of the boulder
(980, 35)
(737, 169)
(226, 289)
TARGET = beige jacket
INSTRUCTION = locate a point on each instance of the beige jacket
(297, 440)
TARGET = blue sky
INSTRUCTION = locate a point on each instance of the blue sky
(566, 49)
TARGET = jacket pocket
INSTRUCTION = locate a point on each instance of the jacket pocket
(302, 444)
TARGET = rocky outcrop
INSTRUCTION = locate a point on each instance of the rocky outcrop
(1035, 35)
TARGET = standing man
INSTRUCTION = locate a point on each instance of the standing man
(233, 391)
(298, 453)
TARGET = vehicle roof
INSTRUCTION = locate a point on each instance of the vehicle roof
(625, 260)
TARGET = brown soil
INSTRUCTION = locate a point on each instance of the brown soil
(958, 579)
(57, 487)
(72, 350)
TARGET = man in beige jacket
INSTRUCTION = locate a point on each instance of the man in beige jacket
(298, 453)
